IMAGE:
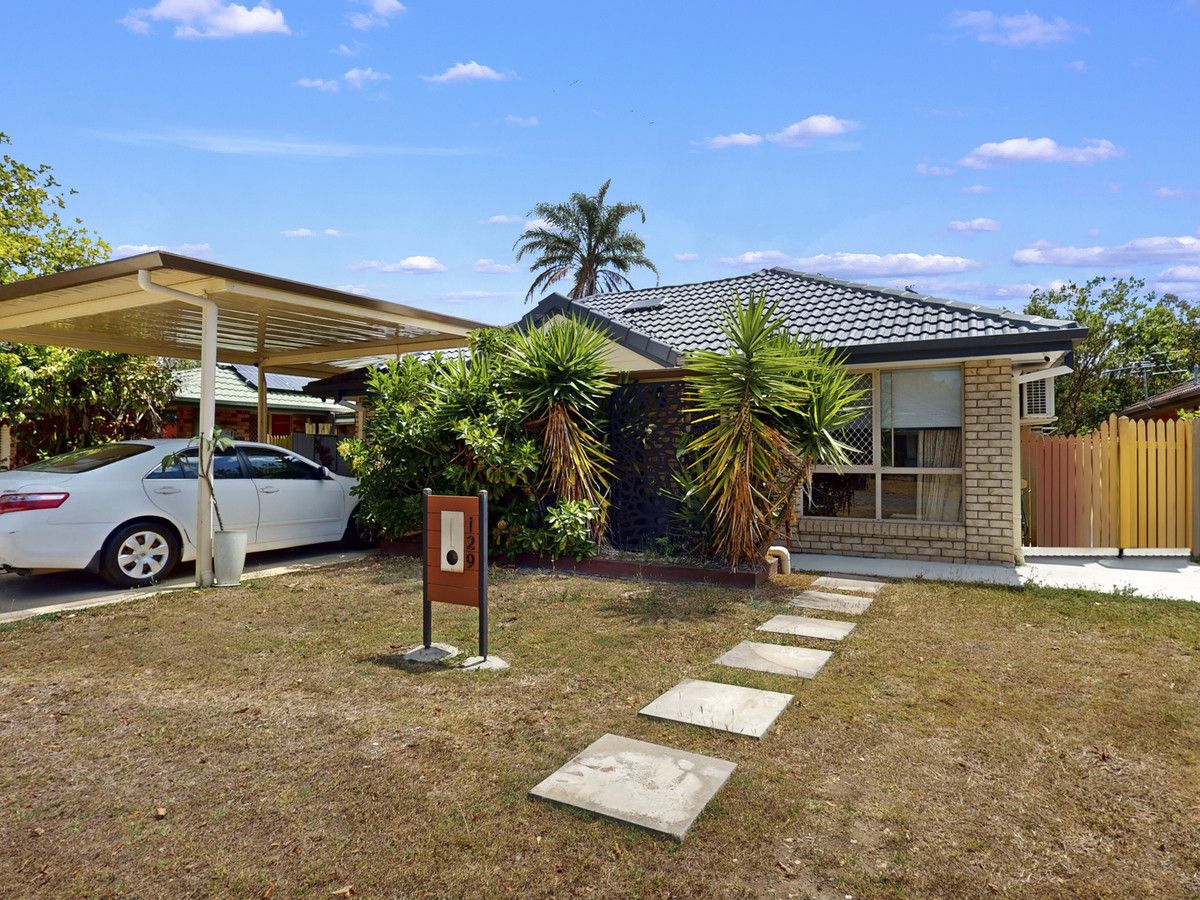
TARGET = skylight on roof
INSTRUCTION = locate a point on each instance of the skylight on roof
(647, 303)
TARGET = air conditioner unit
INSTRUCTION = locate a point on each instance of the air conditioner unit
(1037, 399)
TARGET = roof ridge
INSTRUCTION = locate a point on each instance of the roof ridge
(659, 287)
(927, 299)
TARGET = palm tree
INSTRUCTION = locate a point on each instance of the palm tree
(582, 239)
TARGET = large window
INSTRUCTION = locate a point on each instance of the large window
(906, 452)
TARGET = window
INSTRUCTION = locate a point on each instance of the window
(226, 464)
(86, 460)
(266, 463)
(905, 461)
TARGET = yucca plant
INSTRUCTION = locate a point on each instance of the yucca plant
(560, 375)
(766, 408)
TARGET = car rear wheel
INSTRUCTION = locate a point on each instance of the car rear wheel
(359, 533)
(139, 554)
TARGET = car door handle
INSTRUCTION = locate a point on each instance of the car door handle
(166, 490)
(268, 490)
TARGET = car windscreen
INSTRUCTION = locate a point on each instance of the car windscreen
(87, 459)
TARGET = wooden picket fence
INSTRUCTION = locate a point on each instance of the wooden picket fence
(1128, 484)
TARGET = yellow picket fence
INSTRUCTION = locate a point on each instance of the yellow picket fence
(1128, 484)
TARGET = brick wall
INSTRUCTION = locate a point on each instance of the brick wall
(987, 532)
(242, 422)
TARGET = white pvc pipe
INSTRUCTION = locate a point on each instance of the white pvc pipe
(207, 416)
(784, 556)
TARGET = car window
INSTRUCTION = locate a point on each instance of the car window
(183, 465)
(267, 463)
(86, 460)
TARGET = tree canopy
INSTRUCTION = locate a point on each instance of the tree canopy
(582, 239)
(1126, 325)
(62, 398)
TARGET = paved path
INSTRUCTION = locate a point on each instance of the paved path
(32, 595)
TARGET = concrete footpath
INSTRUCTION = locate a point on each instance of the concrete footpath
(22, 597)
(1167, 577)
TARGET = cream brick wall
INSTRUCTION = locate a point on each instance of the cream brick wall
(989, 471)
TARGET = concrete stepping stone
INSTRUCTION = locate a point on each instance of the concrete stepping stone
(656, 787)
(805, 626)
(724, 707)
(801, 662)
(845, 583)
(838, 603)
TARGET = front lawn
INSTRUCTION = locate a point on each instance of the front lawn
(262, 741)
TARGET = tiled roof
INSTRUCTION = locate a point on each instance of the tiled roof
(238, 386)
(670, 321)
(1182, 396)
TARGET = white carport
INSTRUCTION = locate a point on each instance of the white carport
(163, 304)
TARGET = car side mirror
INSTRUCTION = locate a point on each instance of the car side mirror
(322, 473)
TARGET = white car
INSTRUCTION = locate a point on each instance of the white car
(127, 510)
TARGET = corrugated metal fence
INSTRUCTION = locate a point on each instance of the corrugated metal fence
(1128, 484)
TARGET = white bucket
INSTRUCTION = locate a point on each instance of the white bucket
(229, 557)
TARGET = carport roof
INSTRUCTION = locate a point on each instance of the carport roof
(280, 324)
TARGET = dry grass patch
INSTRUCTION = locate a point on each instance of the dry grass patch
(962, 741)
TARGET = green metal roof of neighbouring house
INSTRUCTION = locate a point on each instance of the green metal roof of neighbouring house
(871, 324)
(237, 385)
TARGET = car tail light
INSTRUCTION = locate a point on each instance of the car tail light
(31, 500)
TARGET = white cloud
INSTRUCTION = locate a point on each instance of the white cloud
(1013, 296)
(977, 189)
(460, 296)
(974, 225)
(1077, 65)
(521, 121)
(799, 134)
(377, 15)
(503, 220)
(738, 139)
(1179, 280)
(1041, 150)
(360, 289)
(419, 265)
(535, 224)
(360, 78)
(318, 84)
(1139, 251)
(686, 257)
(491, 267)
(203, 251)
(208, 18)
(1023, 30)
(927, 169)
(251, 145)
(346, 49)
(1167, 193)
(857, 264)
(470, 71)
(308, 232)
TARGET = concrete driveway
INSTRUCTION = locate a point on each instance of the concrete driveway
(32, 595)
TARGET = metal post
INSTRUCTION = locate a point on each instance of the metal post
(426, 606)
(482, 556)
(208, 423)
(264, 424)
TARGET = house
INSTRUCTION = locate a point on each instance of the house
(1169, 403)
(935, 469)
(289, 408)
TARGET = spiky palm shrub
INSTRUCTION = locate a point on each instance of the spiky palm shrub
(582, 239)
(560, 375)
(767, 407)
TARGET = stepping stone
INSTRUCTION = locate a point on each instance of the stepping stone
(725, 707)
(804, 626)
(854, 585)
(838, 603)
(656, 787)
(802, 662)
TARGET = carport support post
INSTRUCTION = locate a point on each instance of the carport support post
(263, 423)
(208, 424)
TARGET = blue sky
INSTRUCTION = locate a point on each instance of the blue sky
(394, 149)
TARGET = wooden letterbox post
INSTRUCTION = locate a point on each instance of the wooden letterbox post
(454, 553)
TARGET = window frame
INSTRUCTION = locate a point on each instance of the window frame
(879, 470)
(248, 466)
